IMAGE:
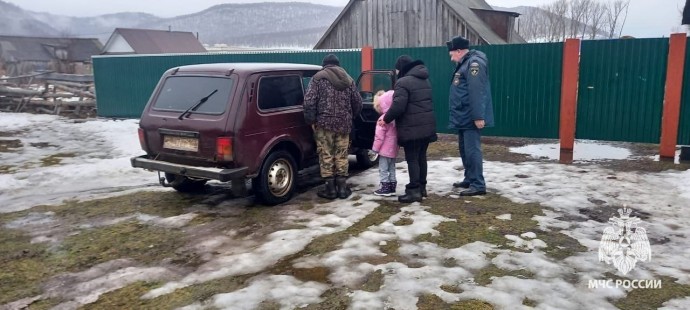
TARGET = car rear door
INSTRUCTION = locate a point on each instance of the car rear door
(186, 115)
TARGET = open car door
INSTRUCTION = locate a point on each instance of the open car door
(368, 84)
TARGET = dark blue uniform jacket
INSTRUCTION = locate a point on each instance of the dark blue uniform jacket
(470, 93)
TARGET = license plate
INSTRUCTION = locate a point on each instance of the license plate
(180, 143)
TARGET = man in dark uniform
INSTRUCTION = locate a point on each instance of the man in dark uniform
(470, 111)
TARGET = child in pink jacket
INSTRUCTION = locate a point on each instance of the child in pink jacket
(386, 145)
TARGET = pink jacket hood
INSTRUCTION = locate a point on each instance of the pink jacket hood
(385, 101)
(386, 136)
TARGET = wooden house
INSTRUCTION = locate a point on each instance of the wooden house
(416, 23)
(21, 55)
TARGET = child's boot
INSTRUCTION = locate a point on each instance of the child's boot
(384, 190)
(391, 188)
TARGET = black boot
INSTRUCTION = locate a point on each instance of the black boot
(328, 190)
(343, 191)
(411, 195)
(424, 194)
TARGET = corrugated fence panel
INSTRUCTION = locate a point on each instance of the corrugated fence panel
(684, 126)
(125, 83)
(525, 82)
(621, 89)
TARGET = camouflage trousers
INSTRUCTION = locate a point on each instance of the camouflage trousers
(333, 149)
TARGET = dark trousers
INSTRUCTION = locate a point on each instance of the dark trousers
(415, 156)
(469, 142)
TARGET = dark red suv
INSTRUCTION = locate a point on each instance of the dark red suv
(233, 121)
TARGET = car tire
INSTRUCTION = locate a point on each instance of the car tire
(184, 184)
(367, 158)
(277, 179)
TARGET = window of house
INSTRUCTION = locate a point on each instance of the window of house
(276, 92)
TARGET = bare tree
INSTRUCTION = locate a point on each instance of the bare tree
(614, 20)
(563, 19)
(596, 14)
(555, 20)
(578, 14)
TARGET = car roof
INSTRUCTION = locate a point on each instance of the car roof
(247, 67)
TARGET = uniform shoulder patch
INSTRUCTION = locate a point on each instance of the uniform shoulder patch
(474, 68)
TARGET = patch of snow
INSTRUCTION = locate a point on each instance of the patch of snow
(96, 160)
(505, 217)
(287, 291)
(584, 150)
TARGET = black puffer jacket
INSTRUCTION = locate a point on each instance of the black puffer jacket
(412, 109)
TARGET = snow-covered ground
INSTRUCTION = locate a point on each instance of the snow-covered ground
(94, 159)
(101, 165)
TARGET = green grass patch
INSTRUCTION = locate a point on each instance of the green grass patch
(476, 221)
(560, 245)
(316, 274)
(454, 289)
(306, 206)
(143, 243)
(45, 304)
(129, 297)
(22, 266)
(390, 248)
(10, 146)
(433, 302)
(651, 298)
(55, 159)
(404, 221)
(373, 281)
(25, 266)
(529, 302)
(485, 276)
(163, 204)
(333, 299)
(7, 169)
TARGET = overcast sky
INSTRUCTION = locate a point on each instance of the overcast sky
(646, 18)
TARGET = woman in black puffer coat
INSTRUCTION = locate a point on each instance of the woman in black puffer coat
(413, 113)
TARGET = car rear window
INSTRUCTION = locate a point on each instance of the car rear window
(179, 93)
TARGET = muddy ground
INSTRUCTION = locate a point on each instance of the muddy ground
(45, 250)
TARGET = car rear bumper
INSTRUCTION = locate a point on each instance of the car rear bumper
(219, 174)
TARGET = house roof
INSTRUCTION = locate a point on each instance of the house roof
(464, 9)
(461, 7)
(149, 41)
(18, 48)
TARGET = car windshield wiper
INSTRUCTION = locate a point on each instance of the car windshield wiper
(196, 105)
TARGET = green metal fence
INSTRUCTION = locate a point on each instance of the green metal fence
(525, 82)
(125, 83)
(620, 96)
(621, 89)
(684, 126)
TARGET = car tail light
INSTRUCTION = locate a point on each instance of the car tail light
(142, 139)
(224, 149)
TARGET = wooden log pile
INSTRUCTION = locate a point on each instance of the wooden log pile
(47, 92)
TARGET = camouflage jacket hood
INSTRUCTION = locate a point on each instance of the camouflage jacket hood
(336, 75)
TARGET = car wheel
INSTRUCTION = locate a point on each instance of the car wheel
(276, 181)
(367, 158)
(184, 184)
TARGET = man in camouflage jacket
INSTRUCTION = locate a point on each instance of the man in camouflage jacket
(330, 104)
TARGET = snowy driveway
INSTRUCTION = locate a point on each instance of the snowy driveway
(533, 242)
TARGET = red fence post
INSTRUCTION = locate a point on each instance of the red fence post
(367, 84)
(569, 81)
(672, 96)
